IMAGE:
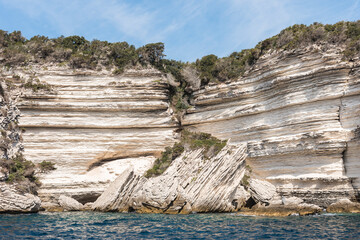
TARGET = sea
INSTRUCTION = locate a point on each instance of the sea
(93, 225)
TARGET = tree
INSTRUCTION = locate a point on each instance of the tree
(151, 53)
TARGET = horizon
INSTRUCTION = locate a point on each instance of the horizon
(189, 31)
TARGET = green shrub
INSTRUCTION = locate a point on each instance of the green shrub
(46, 166)
(35, 85)
(245, 180)
(189, 140)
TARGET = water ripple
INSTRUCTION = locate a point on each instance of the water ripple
(90, 225)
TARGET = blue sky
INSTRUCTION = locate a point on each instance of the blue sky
(190, 29)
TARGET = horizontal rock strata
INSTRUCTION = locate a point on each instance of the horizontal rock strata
(299, 114)
(92, 125)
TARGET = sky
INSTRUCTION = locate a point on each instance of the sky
(190, 29)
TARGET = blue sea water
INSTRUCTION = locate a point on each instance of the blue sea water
(92, 225)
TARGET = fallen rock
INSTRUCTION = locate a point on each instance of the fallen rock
(13, 201)
(88, 206)
(111, 194)
(344, 206)
(262, 191)
(70, 204)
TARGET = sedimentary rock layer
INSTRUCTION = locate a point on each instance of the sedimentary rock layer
(298, 112)
(192, 183)
(92, 125)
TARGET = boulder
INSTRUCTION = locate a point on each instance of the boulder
(344, 205)
(14, 201)
(69, 204)
(262, 191)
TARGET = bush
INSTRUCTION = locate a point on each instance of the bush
(35, 85)
(46, 166)
(189, 140)
(19, 169)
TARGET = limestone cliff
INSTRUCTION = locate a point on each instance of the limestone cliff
(296, 111)
(92, 125)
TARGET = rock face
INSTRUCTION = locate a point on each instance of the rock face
(13, 201)
(299, 115)
(192, 183)
(93, 125)
(10, 141)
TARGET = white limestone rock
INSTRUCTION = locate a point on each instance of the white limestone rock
(292, 201)
(190, 184)
(111, 194)
(93, 125)
(69, 204)
(262, 191)
(298, 114)
(13, 201)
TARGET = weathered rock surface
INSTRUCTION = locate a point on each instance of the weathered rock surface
(10, 140)
(13, 201)
(93, 125)
(344, 206)
(299, 114)
(261, 190)
(192, 183)
(69, 204)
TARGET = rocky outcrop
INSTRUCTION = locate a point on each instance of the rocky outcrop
(192, 183)
(14, 201)
(298, 114)
(344, 205)
(283, 210)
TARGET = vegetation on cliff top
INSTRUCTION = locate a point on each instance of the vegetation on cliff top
(188, 141)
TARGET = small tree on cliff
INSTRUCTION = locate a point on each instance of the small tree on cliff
(151, 53)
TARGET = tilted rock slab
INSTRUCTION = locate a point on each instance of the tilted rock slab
(13, 201)
(192, 183)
